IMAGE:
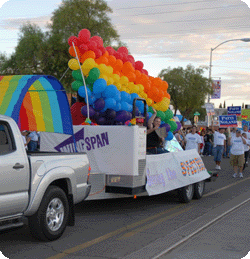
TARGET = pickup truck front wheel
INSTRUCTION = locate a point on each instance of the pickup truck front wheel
(51, 219)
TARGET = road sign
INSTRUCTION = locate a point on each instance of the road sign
(234, 110)
(228, 121)
(209, 108)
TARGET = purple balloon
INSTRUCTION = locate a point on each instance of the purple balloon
(101, 121)
(110, 114)
(85, 113)
(167, 126)
(99, 104)
(129, 116)
(121, 116)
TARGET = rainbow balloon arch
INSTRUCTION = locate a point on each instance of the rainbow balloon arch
(110, 80)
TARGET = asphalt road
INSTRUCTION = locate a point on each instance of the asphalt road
(142, 227)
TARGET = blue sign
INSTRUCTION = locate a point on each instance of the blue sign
(234, 110)
(228, 121)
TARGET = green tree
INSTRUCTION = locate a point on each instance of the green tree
(224, 105)
(188, 88)
(220, 106)
(243, 106)
(74, 15)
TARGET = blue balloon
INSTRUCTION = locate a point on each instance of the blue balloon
(125, 106)
(110, 91)
(99, 86)
(149, 115)
(117, 96)
(92, 99)
(82, 93)
(97, 96)
(169, 136)
(125, 97)
(110, 103)
(118, 107)
(133, 96)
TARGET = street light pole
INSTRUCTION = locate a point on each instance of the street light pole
(210, 65)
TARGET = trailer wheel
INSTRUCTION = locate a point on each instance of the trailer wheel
(199, 189)
(186, 193)
(51, 218)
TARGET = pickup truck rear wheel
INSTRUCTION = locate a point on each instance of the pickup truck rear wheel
(186, 193)
(52, 217)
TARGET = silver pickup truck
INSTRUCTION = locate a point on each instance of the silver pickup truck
(42, 186)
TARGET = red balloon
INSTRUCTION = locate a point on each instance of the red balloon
(84, 35)
(92, 45)
(131, 60)
(144, 71)
(110, 50)
(118, 55)
(98, 53)
(125, 58)
(73, 39)
(123, 50)
(98, 41)
(139, 65)
(103, 50)
(83, 48)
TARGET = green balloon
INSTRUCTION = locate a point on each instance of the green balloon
(90, 86)
(150, 109)
(161, 115)
(169, 114)
(77, 75)
(94, 74)
(76, 85)
(173, 126)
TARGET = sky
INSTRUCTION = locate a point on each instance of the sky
(162, 34)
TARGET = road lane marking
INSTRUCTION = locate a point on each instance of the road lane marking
(225, 187)
(151, 225)
(109, 235)
(126, 228)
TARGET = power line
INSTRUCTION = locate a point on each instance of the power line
(185, 11)
(233, 67)
(182, 3)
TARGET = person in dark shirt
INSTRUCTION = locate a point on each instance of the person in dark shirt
(208, 138)
(154, 142)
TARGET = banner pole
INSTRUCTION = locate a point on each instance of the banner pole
(87, 98)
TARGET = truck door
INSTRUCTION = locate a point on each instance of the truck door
(14, 173)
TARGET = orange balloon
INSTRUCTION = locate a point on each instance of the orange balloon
(131, 76)
(127, 67)
(168, 95)
(72, 51)
(165, 85)
(118, 65)
(88, 54)
(112, 60)
(102, 60)
(137, 74)
(117, 72)
(106, 54)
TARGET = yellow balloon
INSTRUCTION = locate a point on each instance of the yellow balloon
(89, 63)
(85, 71)
(104, 77)
(127, 90)
(73, 64)
(149, 101)
(136, 89)
(110, 70)
(110, 81)
(124, 80)
(116, 77)
(141, 88)
(144, 95)
(103, 69)
(119, 86)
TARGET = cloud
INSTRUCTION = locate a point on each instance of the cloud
(15, 23)
(2, 2)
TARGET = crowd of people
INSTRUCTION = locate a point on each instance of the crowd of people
(222, 143)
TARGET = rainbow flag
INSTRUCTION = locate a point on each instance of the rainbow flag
(36, 103)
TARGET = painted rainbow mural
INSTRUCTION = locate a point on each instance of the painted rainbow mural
(36, 103)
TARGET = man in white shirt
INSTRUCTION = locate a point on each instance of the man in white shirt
(193, 140)
(246, 153)
(219, 145)
(34, 137)
(237, 153)
(26, 140)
